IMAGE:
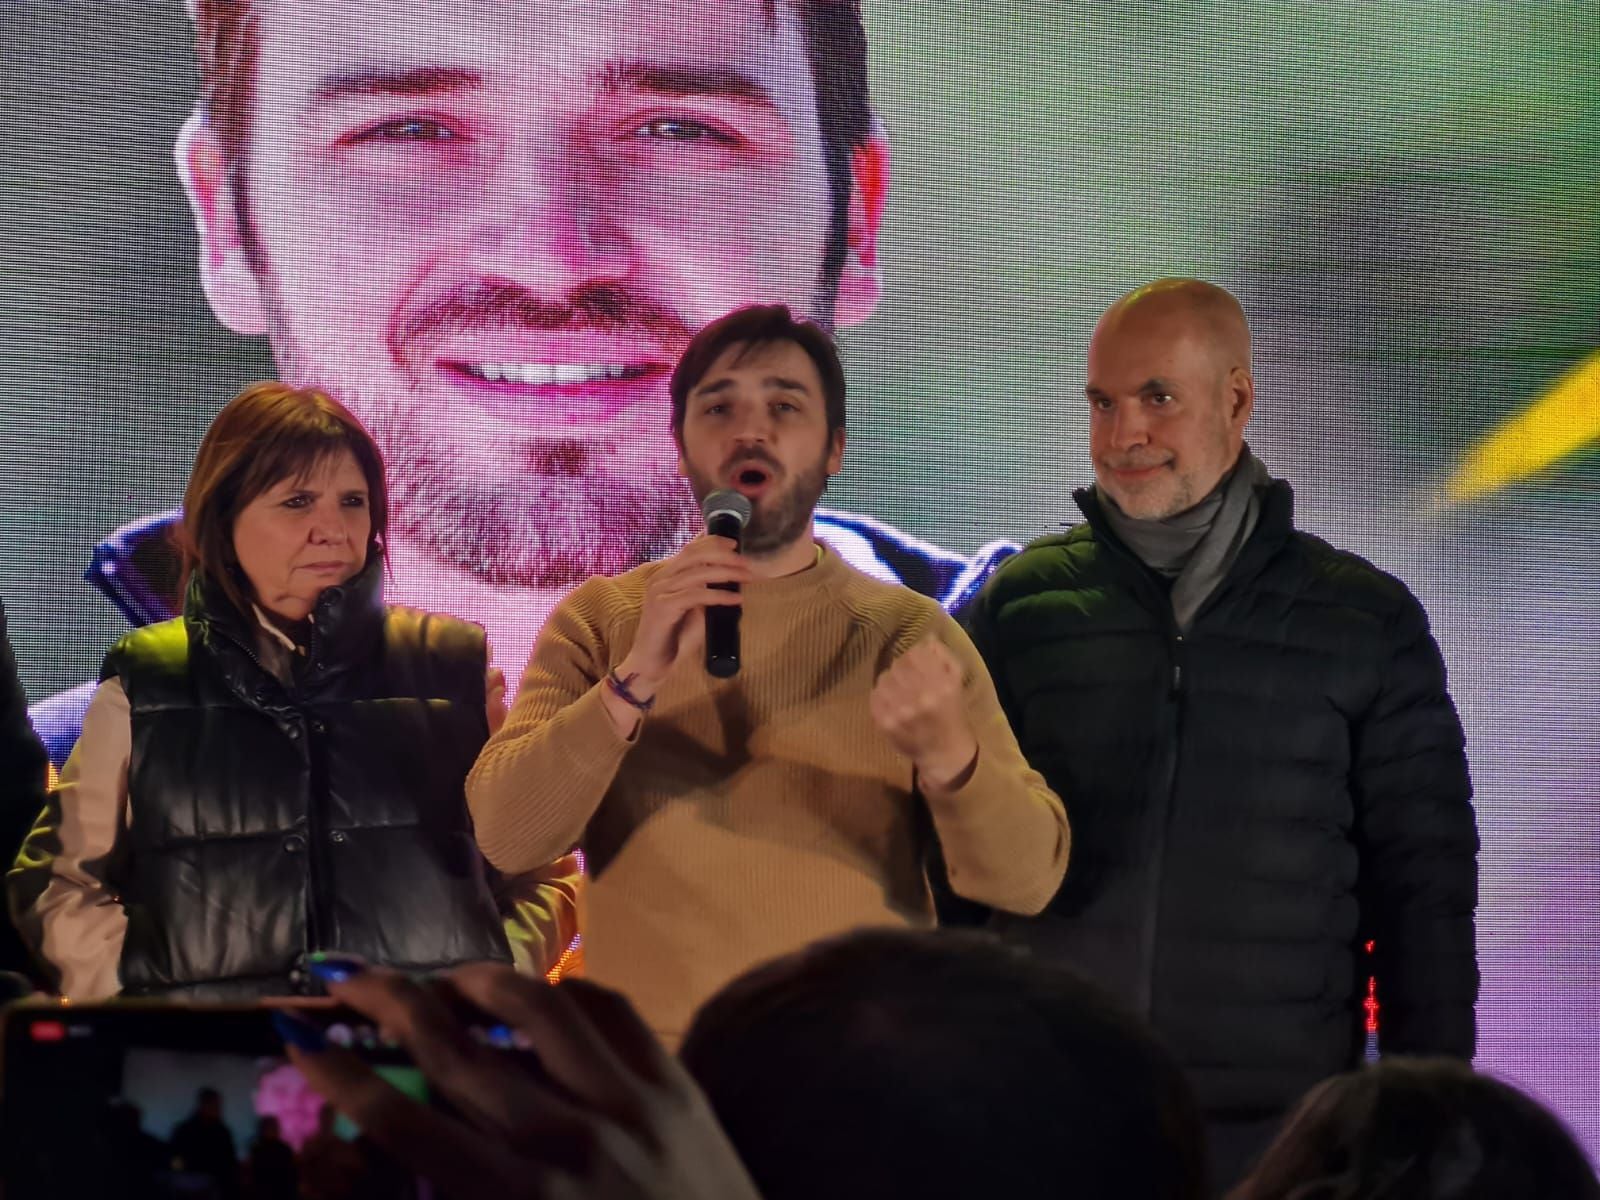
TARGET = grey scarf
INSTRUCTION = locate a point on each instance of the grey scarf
(1195, 548)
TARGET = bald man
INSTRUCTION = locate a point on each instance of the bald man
(1251, 732)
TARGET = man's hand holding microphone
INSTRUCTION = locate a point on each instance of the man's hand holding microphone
(702, 577)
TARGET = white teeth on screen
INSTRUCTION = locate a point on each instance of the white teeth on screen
(543, 374)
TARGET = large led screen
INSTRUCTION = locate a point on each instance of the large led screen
(410, 202)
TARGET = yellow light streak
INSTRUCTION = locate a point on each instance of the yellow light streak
(1555, 426)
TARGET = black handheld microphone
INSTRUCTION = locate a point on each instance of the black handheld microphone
(726, 513)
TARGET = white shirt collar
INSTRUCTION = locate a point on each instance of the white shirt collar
(275, 633)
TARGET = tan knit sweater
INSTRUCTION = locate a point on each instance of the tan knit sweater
(750, 816)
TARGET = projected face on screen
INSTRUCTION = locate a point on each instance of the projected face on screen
(404, 199)
(491, 228)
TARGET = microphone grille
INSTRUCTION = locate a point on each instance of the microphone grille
(726, 502)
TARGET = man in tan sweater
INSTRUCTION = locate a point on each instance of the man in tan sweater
(727, 821)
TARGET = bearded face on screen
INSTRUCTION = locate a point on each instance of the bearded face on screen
(491, 228)
(537, 507)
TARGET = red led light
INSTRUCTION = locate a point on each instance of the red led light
(1370, 1003)
(48, 1031)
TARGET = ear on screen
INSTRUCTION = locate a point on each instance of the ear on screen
(861, 284)
(227, 273)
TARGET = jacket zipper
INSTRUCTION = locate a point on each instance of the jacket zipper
(316, 862)
(1165, 794)
(313, 930)
(1177, 683)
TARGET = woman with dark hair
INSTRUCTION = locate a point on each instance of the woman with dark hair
(1420, 1129)
(280, 770)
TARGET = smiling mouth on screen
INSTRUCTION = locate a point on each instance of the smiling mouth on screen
(574, 391)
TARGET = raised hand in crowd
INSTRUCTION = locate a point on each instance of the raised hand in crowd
(590, 1105)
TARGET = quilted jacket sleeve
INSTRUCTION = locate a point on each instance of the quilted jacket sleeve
(1418, 842)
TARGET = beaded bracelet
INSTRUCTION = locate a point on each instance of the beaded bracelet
(620, 687)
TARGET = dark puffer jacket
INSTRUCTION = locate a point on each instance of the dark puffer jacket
(269, 821)
(1250, 803)
(23, 779)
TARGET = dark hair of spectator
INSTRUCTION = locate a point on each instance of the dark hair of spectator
(267, 433)
(752, 329)
(1420, 1129)
(899, 1063)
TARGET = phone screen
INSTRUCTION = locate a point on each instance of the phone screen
(162, 1101)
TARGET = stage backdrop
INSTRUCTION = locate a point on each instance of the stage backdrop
(1405, 196)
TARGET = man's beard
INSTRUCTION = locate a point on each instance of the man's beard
(780, 518)
(537, 524)
(537, 512)
(563, 509)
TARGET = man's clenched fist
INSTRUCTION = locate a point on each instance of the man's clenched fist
(919, 703)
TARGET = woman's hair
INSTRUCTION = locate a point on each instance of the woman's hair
(267, 433)
(1420, 1129)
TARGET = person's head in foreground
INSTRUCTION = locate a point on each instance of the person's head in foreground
(286, 499)
(895, 1063)
(1420, 1129)
(208, 1104)
(758, 407)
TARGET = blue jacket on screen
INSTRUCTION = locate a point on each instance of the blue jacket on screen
(137, 568)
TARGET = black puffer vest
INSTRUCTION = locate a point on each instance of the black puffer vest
(270, 821)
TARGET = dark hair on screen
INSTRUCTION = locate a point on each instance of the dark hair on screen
(941, 1064)
(267, 433)
(1420, 1129)
(754, 328)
